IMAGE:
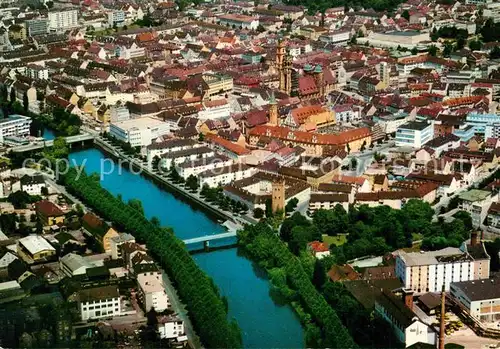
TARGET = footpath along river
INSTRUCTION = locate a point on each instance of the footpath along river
(264, 324)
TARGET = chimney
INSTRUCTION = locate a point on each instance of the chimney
(408, 298)
(441, 327)
(474, 238)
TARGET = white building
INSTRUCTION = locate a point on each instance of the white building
(429, 271)
(152, 292)
(138, 132)
(119, 113)
(338, 37)
(477, 203)
(6, 259)
(116, 241)
(239, 21)
(37, 72)
(73, 264)
(414, 134)
(198, 166)
(173, 145)
(481, 298)
(172, 327)
(217, 109)
(15, 126)
(225, 175)
(62, 20)
(99, 302)
(32, 184)
(185, 156)
(405, 324)
(116, 18)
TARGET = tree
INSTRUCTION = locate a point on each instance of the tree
(136, 204)
(50, 4)
(12, 94)
(406, 15)
(44, 191)
(201, 137)
(155, 221)
(258, 213)
(261, 28)
(495, 53)
(433, 50)
(319, 275)
(461, 41)
(291, 205)
(269, 208)
(25, 102)
(19, 199)
(475, 45)
(414, 51)
(448, 49)
(289, 223)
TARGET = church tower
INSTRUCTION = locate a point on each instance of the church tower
(273, 110)
(284, 67)
(320, 80)
(278, 195)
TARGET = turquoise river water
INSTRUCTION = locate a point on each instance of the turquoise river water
(264, 324)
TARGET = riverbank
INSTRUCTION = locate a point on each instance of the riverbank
(163, 181)
(263, 322)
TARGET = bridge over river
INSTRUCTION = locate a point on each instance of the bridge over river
(47, 144)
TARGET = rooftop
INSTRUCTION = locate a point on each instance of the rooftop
(35, 244)
(474, 195)
(479, 289)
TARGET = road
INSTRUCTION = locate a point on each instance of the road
(181, 311)
(63, 191)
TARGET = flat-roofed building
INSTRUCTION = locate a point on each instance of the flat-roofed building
(480, 297)
(152, 292)
(428, 271)
(414, 134)
(15, 125)
(138, 132)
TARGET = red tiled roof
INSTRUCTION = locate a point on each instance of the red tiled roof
(284, 133)
(232, 147)
(48, 209)
(318, 246)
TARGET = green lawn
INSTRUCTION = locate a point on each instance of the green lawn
(335, 240)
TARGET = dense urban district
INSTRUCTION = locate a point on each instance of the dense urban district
(160, 160)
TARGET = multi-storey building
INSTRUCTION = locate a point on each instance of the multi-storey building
(414, 134)
(138, 132)
(61, 20)
(152, 292)
(477, 203)
(116, 18)
(15, 126)
(37, 72)
(481, 298)
(36, 27)
(99, 302)
(429, 271)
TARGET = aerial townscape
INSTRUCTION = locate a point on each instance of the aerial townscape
(250, 174)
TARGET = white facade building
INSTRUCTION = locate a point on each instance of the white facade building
(15, 126)
(198, 166)
(99, 302)
(32, 184)
(190, 155)
(138, 132)
(414, 134)
(429, 271)
(481, 298)
(152, 292)
(37, 72)
(477, 203)
(62, 20)
(225, 175)
(174, 145)
(172, 327)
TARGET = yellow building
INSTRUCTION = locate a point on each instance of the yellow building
(309, 118)
(99, 229)
(49, 213)
(17, 32)
(313, 143)
(217, 84)
(34, 248)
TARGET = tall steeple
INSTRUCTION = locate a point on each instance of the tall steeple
(273, 110)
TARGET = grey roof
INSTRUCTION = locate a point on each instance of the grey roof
(479, 289)
(99, 293)
(74, 261)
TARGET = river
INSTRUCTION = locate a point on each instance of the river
(264, 324)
